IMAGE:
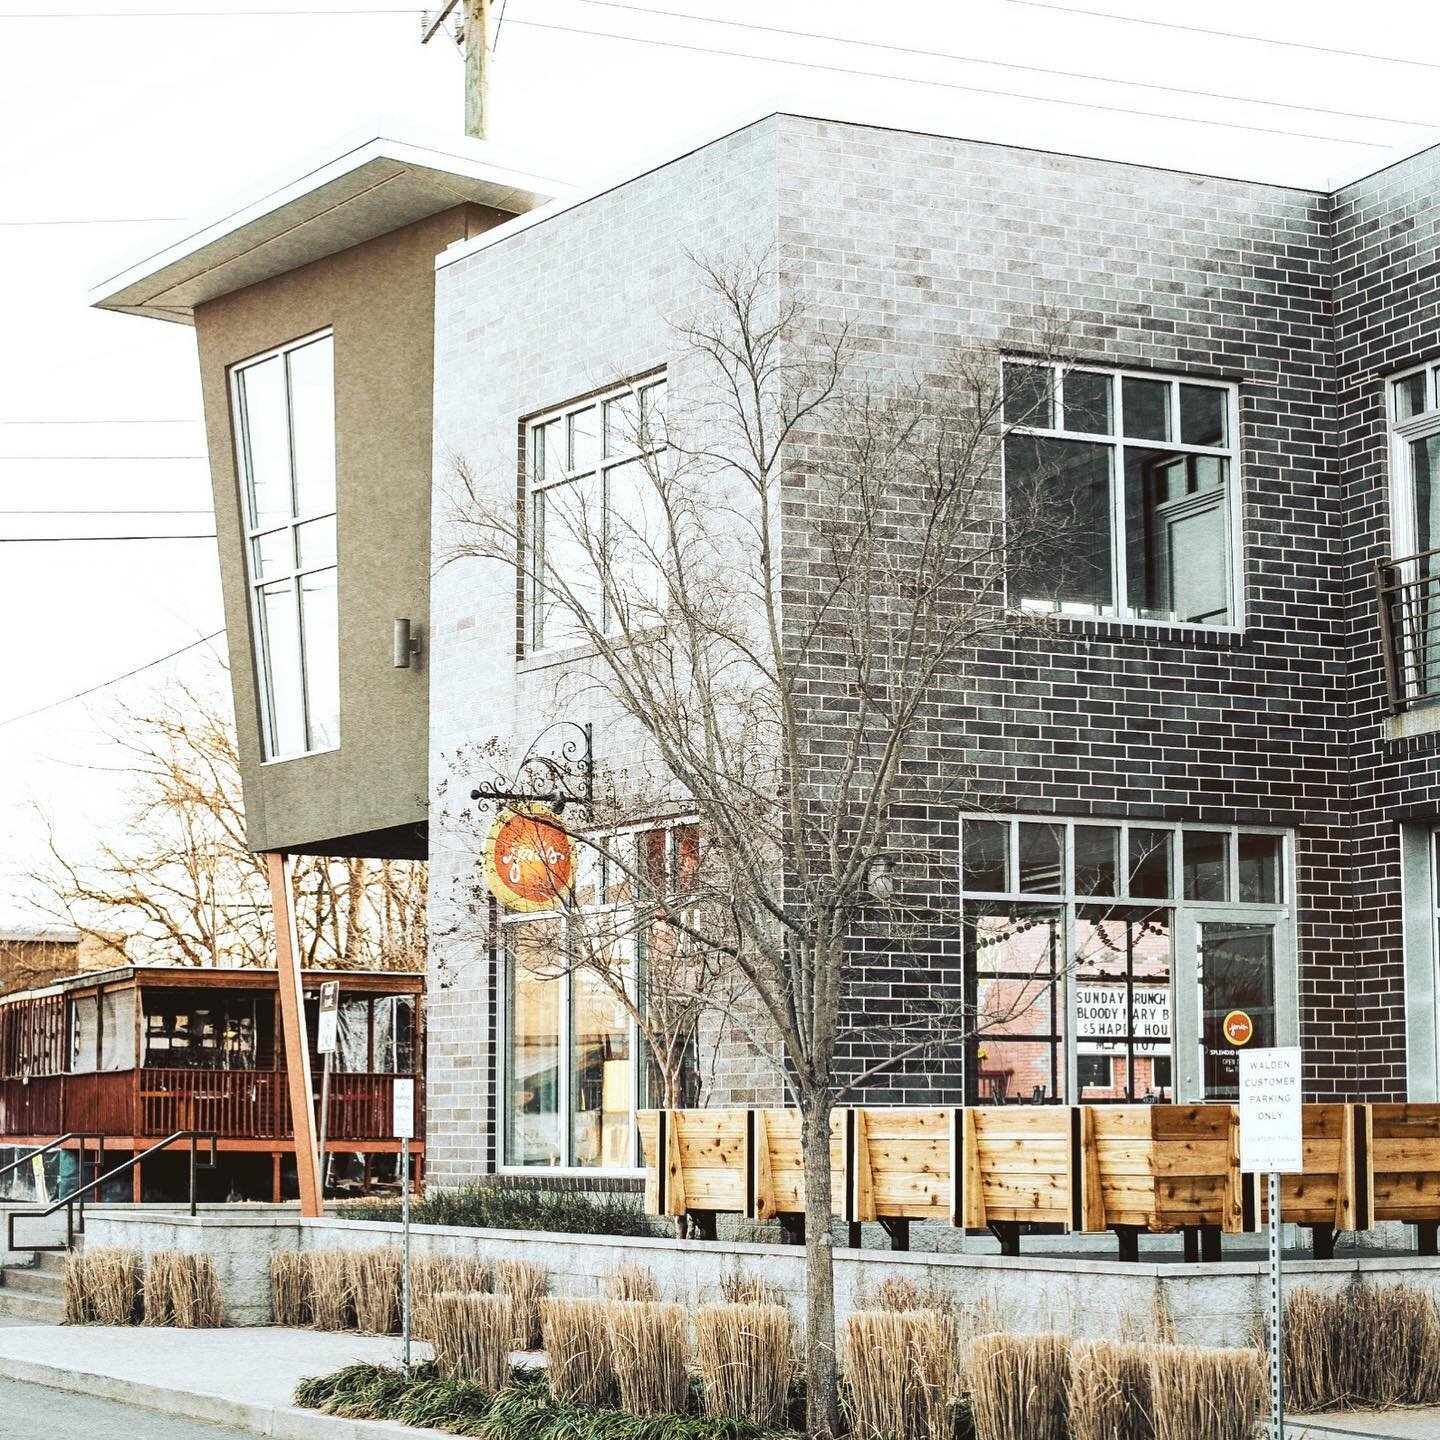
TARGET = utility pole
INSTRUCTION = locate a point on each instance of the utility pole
(473, 32)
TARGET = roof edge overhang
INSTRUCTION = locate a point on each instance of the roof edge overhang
(372, 183)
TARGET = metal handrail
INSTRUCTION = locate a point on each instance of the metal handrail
(1407, 601)
(58, 1144)
(77, 1196)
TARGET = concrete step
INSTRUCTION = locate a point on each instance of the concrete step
(53, 1261)
(20, 1278)
(17, 1307)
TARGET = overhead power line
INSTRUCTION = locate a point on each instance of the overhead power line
(949, 85)
(92, 539)
(134, 510)
(87, 459)
(92, 220)
(1226, 34)
(1001, 64)
(114, 680)
(127, 420)
(184, 14)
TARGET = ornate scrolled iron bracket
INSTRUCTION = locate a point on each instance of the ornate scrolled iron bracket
(566, 777)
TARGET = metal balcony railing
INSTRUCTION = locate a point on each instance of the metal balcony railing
(1407, 597)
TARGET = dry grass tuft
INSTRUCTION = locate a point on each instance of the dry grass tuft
(472, 1335)
(289, 1288)
(525, 1284)
(647, 1353)
(743, 1354)
(157, 1290)
(900, 1293)
(1362, 1347)
(1018, 1386)
(374, 1278)
(631, 1282)
(105, 1283)
(1110, 1391)
(432, 1275)
(576, 1338)
(194, 1292)
(742, 1288)
(904, 1373)
(1206, 1394)
(78, 1310)
(329, 1285)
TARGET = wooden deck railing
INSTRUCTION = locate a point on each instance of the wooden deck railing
(1079, 1168)
(235, 1104)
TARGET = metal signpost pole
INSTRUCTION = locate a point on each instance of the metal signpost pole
(1277, 1317)
(404, 1126)
(1272, 1144)
(327, 1041)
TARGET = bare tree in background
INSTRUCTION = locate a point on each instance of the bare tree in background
(181, 885)
(780, 592)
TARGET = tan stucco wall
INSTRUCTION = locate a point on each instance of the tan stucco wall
(378, 297)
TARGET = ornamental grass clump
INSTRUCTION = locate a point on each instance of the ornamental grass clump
(194, 1291)
(1206, 1394)
(1110, 1391)
(158, 1287)
(101, 1286)
(289, 1289)
(744, 1288)
(904, 1374)
(472, 1335)
(576, 1338)
(647, 1353)
(743, 1355)
(432, 1275)
(631, 1282)
(329, 1285)
(374, 1279)
(525, 1284)
(1018, 1386)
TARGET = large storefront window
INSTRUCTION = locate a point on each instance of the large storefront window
(1114, 962)
(571, 1081)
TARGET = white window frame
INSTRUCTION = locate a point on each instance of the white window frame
(1117, 440)
(1186, 1032)
(1402, 434)
(240, 434)
(537, 485)
(639, 1051)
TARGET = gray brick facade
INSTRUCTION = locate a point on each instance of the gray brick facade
(918, 242)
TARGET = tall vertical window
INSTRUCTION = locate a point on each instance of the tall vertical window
(1120, 495)
(571, 1083)
(596, 533)
(1411, 594)
(1103, 960)
(284, 418)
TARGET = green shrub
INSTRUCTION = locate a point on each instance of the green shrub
(524, 1410)
(514, 1207)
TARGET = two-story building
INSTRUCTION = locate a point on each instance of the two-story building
(1207, 786)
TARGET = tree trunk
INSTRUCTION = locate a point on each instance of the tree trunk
(822, 1417)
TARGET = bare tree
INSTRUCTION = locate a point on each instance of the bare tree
(779, 593)
(181, 886)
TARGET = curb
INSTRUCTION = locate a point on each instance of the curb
(281, 1422)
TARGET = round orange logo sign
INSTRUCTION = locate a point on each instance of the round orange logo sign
(1238, 1027)
(529, 860)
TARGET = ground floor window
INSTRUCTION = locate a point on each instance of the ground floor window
(574, 1066)
(1117, 962)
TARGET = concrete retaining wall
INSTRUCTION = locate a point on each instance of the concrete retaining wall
(1214, 1304)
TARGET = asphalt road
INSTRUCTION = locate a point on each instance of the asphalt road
(32, 1412)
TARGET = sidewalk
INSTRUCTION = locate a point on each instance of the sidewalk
(243, 1378)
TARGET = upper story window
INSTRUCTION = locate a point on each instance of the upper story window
(1415, 428)
(284, 418)
(594, 531)
(1122, 485)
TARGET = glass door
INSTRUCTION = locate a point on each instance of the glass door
(1242, 998)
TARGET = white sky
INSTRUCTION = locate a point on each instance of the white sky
(111, 114)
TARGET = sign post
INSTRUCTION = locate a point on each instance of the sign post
(404, 1127)
(327, 1041)
(1271, 1143)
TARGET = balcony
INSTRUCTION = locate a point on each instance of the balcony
(153, 1103)
(1407, 597)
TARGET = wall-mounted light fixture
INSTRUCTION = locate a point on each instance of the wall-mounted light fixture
(880, 878)
(407, 646)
